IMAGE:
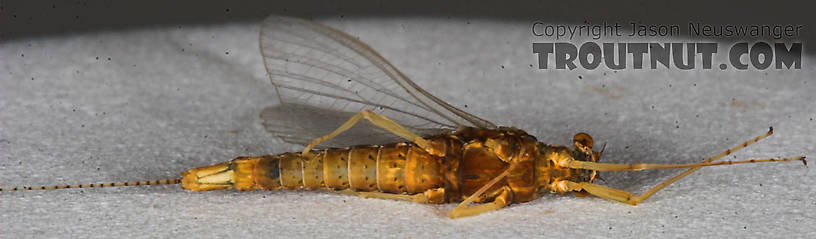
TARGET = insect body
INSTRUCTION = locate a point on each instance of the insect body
(451, 168)
(371, 132)
(499, 166)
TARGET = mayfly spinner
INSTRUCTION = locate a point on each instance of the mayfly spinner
(328, 82)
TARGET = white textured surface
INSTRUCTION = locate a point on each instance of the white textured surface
(159, 101)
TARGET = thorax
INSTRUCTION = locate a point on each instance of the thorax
(487, 153)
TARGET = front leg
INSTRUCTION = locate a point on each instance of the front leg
(599, 191)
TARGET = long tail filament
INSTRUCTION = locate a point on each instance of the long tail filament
(95, 185)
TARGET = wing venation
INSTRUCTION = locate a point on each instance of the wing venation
(331, 76)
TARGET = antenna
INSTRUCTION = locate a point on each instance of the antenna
(605, 167)
(608, 167)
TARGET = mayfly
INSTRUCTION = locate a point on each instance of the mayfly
(409, 145)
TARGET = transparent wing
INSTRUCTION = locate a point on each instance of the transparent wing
(323, 76)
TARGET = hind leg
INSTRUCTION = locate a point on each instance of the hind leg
(436, 195)
(376, 119)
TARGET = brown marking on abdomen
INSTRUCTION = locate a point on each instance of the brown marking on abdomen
(362, 166)
(391, 168)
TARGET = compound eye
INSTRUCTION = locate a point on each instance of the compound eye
(582, 140)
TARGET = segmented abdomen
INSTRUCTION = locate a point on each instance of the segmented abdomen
(396, 168)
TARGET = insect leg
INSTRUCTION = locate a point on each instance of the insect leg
(436, 195)
(464, 210)
(626, 197)
(505, 197)
(378, 120)
(599, 191)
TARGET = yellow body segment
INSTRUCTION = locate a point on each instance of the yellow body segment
(362, 165)
(391, 168)
(492, 167)
(461, 164)
(397, 168)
